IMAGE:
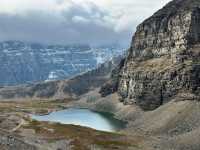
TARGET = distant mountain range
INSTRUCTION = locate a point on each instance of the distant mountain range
(31, 62)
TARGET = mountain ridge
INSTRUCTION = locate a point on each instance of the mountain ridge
(163, 60)
(23, 62)
(61, 89)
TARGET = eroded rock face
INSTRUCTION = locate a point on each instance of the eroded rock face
(164, 58)
(171, 29)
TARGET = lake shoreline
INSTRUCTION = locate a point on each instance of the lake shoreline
(76, 116)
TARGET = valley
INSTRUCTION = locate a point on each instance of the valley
(155, 89)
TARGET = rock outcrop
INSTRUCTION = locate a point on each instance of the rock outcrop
(164, 58)
(10, 142)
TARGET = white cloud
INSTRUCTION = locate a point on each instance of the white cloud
(80, 19)
(115, 17)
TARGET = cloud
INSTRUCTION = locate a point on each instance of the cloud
(80, 19)
(73, 21)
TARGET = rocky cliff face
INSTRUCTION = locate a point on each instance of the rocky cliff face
(22, 63)
(164, 59)
(171, 29)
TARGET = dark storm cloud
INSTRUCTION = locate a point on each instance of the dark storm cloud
(78, 22)
(76, 25)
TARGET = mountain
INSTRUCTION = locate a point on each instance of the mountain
(62, 89)
(32, 62)
(163, 61)
(155, 88)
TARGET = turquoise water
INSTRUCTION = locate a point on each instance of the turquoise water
(84, 117)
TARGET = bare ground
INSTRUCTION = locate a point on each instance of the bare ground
(173, 126)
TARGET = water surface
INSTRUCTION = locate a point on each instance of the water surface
(84, 117)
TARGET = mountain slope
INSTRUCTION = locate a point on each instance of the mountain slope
(163, 61)
(31, 62)
(62, 89)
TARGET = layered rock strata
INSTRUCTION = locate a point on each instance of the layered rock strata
(164, 59)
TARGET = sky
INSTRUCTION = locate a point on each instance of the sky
(94, 22)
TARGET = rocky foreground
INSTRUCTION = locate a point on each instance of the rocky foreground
(156, 89)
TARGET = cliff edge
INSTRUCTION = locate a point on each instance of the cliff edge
(163, 61)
